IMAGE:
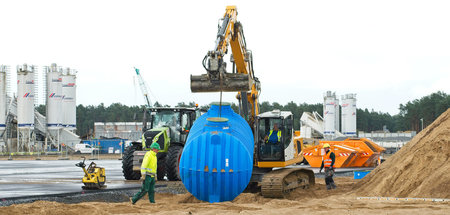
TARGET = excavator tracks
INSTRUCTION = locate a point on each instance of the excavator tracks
(277, 183)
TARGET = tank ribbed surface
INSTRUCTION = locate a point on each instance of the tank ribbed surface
(217, 160)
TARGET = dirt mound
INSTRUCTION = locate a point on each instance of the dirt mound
(421, 168)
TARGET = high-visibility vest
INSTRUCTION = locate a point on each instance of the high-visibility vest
(327, 160)
(278, 135)
(149, 164)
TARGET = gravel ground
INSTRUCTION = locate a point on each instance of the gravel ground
(116, 195)
(110, 195)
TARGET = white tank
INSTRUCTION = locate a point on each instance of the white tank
(69, 99)
(3, 103)
(336, 115)
(349, 115)
(329, 112)
(25, 96)
(54, 97)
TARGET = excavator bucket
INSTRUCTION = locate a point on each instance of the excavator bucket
(231, 82)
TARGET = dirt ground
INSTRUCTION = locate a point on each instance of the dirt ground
(56, 157)
(316, 200)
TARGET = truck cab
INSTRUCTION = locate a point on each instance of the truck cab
(169, 127)
(176, 123)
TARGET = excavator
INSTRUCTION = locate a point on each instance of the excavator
(270, 165)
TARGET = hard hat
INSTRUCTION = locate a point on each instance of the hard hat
(155, 145)
(326, 145)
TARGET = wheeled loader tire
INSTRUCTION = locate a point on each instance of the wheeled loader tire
(127, 164)
(173, 162)
(161, 171)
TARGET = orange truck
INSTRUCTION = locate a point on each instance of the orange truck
(351, 152)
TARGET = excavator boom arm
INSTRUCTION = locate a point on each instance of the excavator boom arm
(242, 80)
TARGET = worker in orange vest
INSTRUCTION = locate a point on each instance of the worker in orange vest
(328, 162)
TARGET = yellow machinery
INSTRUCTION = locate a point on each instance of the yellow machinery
(267, 157)
(94, 176)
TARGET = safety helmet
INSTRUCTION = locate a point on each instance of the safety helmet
(155, 145)
(326, 145)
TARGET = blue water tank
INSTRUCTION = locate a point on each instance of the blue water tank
(217, 160)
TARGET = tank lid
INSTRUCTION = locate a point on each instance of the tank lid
(223, 103)
(217, 119)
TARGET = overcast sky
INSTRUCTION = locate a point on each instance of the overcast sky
(387, 52)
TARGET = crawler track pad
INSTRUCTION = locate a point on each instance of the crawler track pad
(277, 183)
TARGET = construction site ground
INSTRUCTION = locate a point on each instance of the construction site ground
(417, 174)
(316, 200)
(54, 187)
(22, 178)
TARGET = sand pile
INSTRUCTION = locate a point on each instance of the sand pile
(421, 168)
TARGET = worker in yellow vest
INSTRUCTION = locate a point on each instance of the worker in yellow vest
(272, 148)
(274, 135)
(148, 172)
(328, 163)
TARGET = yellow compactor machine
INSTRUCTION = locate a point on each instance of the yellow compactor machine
(94, 176)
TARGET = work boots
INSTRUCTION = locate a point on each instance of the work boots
(328, 187)
(332, 185)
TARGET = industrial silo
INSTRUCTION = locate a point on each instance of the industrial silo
(3, 82)
(349, 115)
(25, 105)
(4, 71)
(329, 114)
(69, 99)
(54, 97)
(336, 114)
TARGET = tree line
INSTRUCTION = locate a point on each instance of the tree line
(411, 116)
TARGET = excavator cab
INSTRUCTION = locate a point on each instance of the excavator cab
(268, 149)
(279, 149)
(271, 157)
